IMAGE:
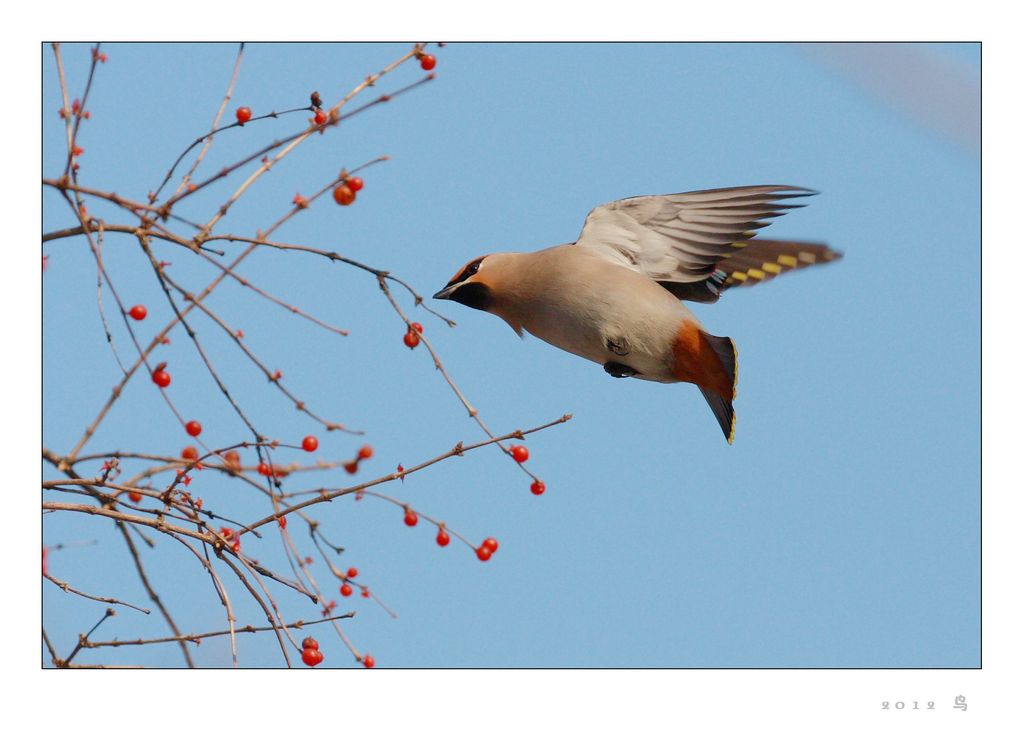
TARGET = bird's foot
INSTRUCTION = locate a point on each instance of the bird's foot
(619, 370)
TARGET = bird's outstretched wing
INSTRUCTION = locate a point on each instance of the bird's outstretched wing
(684, 240)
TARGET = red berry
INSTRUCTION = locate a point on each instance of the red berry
(484, 553)
(135, 497)
(491, 544)
(411, 518)
(310, 642)
(351, 467)
(190, 454)
(412, 338)
(352, 572)
(365, 593)
(264, 469)
(138, 312)
(537, 488)
(243, 114)
(193, 428)
(346, 590)
(320, 117)
(344, 196)
(419, 328)
(310, 444)
(355, 184)
(365, 451)
(162, 378)
(312, 657)
(427, 62)
(368, 661)
(443, 539)
(520, 453)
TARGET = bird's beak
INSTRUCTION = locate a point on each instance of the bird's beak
(445, 293)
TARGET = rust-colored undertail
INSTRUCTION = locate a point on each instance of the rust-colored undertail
(709, 362)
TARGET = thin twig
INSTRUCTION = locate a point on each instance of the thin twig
(198, 637)
(458, 450)
(82, 639)
(65, 586)
(209, 138)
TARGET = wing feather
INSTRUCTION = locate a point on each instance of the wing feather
(680, 238)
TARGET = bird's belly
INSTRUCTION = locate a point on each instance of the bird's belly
(635, 334)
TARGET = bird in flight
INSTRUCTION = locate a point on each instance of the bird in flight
(614, 296)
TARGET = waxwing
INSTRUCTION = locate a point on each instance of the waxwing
(613, 296)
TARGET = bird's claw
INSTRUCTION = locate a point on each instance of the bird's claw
(619, 370)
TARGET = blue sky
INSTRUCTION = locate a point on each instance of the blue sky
(841, 528)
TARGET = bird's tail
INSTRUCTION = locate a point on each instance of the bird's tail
(759, 260)
(710, 362)
(721, 403)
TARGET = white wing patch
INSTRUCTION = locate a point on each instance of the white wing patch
(681, 237)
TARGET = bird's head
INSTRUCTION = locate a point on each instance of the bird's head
(473, 285)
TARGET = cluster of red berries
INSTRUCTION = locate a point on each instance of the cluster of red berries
(267, 471)
(487, 549)
(311, 654)
(365, 452)
(346, 588)
(412, 336)
(345, 192)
